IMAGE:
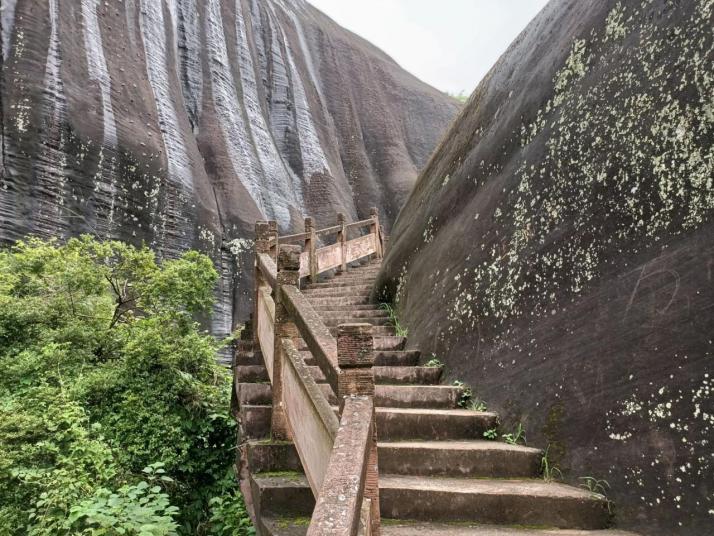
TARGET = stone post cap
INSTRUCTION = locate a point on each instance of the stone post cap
(289, 257)
(373, 211)
(340, 217)
(309, 224)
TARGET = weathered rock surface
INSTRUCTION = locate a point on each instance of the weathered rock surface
(557, 251)
(181, 122)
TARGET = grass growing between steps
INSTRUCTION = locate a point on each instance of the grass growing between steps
(401, 331)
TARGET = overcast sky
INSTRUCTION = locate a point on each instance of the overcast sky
(451, 44)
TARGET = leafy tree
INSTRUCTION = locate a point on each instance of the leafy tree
(113, 411)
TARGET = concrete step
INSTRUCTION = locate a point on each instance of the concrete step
(503, 502)
(402, 376)
(272, 456)
(338, 301)
(399, 358)
(254, 394)
(389, 343)
(282, 494)
(407, 375)
(396, 424)
(344, 309)
(337, 283)
(251, 374)
(297, 526)
(255, 421)
(533, 503)
(332, 320)
(356, 290)
(476, 458)
(354, 311)
(245, 358)
(393, 527)
(417, 396)
(377, 331)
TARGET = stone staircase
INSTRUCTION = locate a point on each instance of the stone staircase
(437, 473)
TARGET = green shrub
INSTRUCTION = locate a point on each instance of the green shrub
(104, 373)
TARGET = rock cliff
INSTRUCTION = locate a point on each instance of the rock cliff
(181, 122)
(558, 249)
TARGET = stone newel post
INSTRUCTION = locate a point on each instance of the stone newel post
(355, 357)
(342, 240)
(374, 229)
(288, 274)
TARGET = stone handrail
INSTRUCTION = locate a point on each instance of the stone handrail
(339, 457)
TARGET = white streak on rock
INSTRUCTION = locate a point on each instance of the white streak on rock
(51, 162)
(7, 22)
(153, 32)
(189, 50)
(97, 67)
(285, 186)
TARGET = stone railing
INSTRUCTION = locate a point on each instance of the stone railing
(339, 456)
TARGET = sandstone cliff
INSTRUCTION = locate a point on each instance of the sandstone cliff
(181, 122)
(557, 251)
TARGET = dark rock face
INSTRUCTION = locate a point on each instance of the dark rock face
(558, 250)
(181, 122)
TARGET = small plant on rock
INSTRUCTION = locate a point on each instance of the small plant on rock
(518, 436)
(550, 471)
(401, 331)
(434, 362)
(491, 434)
(466, 394)
(477, 405)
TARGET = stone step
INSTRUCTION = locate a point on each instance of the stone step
(337, 319)
(272, 456)
(477, 458)
(333, 301)
(386, 396)
(504, 502)
(396, 424)
(251, 374)
(402, 376)
(255, 421)
(533, 503)
(297, 526)
(389, 343)
(417, 396)
(345, 309)
(377, 331)
(338, 283)
(282, 494)
(398, 358)
(393, 527)
(254, 394)
(354, 290)
(362, 313)
(244, 358)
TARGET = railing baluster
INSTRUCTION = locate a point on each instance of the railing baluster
(262, 245)
(288, 274)
(342, 240)
(310, 247)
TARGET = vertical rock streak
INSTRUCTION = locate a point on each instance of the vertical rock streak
(7, 20)
(50, 165)
(189, 53)
(153, 31)
(285, 186)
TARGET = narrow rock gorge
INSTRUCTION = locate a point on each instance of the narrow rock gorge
(558, 248)
(178, 123)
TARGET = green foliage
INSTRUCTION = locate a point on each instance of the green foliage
(466, 394)
(477, 405)
(434, 362)
(593, 484)
(104, 373)
(518, 436)
(401, 331)
(491, 434)
(550, 471)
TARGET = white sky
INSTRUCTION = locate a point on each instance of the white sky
(450, 44)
